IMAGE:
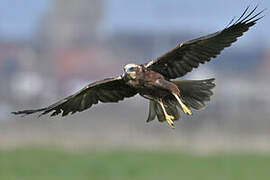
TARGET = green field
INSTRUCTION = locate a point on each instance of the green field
(38, 164)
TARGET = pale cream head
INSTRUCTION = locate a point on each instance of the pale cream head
(131, 69)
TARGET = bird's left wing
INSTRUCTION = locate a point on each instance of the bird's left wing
(107, 90)
(188, 55)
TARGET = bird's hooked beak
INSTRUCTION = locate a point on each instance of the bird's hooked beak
(130, 74)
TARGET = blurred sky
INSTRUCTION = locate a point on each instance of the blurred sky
(19, 19)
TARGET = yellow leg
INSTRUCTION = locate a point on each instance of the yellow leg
(182, 105)
(168, 117)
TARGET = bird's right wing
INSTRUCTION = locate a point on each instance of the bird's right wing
(107, 90)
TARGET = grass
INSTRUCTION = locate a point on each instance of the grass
(37, 164)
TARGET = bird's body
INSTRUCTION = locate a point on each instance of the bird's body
(154, 80)
(149, 84)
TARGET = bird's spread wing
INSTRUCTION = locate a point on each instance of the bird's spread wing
(107, 90)
(188, 55)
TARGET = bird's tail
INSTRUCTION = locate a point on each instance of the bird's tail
(193, 93)
(155, 109)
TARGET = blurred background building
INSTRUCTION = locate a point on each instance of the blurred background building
(52, 48)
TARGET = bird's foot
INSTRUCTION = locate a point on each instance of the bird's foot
(170, 119)
(182, 105)
(186, 109)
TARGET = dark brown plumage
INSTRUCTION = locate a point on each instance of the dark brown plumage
(107, 90)
(153, 80)
(188, 55)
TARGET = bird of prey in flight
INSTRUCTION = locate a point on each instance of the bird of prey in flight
(155, 79)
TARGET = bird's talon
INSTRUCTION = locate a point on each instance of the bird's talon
(170, 119)
(186, 110)
(182, 105)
